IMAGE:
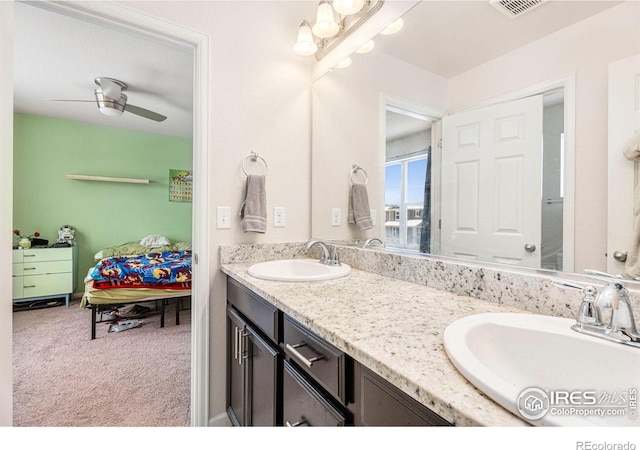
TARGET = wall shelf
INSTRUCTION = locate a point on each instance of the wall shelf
(109, 179)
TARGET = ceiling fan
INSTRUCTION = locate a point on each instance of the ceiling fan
(112, 101)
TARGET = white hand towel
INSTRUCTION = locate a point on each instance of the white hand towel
(359, 212)
(254, 208)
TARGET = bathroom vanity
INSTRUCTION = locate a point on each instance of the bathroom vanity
(364, 349)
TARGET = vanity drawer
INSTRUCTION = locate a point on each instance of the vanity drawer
(304, 405)
(323, 362)
(264, 315)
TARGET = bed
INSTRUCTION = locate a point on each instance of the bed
(137, 272)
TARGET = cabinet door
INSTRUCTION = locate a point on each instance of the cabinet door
(262, 376)
(236, 383)
(304, 405)
(379, 403)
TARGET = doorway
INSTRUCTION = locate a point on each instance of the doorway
(128, 20)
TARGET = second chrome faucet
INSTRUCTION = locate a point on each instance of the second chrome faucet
(330, 255)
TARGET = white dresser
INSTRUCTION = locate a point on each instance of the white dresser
(42, 273)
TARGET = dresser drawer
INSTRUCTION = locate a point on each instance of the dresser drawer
(42, 267)
(46, 254)
(42, 285)
(323, 362)
(17, 291)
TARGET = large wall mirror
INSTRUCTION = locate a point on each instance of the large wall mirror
(479, 136)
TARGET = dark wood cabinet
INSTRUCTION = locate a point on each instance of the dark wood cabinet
(280, 373)
(305, 405)
(380, 403)
(253, 366)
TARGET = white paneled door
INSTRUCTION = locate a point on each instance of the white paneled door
(624, 121)
(492, 183)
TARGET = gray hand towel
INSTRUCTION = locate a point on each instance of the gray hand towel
(254, 208)
(359, 212)
(632, 264)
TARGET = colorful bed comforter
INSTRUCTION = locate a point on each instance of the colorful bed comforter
(167, 270)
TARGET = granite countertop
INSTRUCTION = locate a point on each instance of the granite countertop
(394, 328)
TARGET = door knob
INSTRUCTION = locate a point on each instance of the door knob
(530, 247)
(620, 256)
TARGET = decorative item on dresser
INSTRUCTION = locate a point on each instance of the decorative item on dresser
(44, 273)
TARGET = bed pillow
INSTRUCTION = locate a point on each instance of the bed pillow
(155, 240)
(129, 248)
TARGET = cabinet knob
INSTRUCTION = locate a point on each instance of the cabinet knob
(530, 247)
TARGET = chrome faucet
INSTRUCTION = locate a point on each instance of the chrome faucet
(368, 242)
(606, 313)
(329, 257)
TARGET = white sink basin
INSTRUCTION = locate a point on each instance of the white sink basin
(297, 270)
(504, 354)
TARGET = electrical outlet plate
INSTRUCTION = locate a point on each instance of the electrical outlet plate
(279, 218)
(336, 217)
(223, 217)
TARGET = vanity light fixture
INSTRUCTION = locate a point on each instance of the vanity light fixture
(343, 64)
(305, 46)
(393, 27)
(326, 25)
(366, 47)
(335, 20)
(348, 7)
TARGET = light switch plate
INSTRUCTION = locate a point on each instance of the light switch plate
(224, 217)
(373, 216)
(336, 217)
(279, 217)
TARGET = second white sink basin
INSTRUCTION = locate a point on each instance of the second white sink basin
(297, 270)
(535, 365)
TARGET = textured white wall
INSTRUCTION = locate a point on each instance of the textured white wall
(259, 102)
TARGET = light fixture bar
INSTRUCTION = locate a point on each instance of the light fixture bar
(348, 25)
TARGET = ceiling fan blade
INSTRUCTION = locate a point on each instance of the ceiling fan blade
(109, 88)
(144, 113)
(65, 100)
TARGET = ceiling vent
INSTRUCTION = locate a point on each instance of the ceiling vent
(515, 8)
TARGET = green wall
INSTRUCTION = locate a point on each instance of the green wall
(104, 214)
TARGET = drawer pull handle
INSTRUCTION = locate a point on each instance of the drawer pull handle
(297, 354)
(28, 268)
(29, 256)
(296, 424)
(32, 286)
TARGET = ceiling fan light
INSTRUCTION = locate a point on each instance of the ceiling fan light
(305, 46)
(109, 111)
(393, 27)
(109, 106)
(326, 25)
(348, 7)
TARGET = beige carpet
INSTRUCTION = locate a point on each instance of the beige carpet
(135, 378)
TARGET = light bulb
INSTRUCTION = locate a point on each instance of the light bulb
(326, 25)
(348, 7)
(366, 47)
(393, 27)
(305, 46)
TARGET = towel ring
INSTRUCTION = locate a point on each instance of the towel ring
(254, 157)
(355, 170)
